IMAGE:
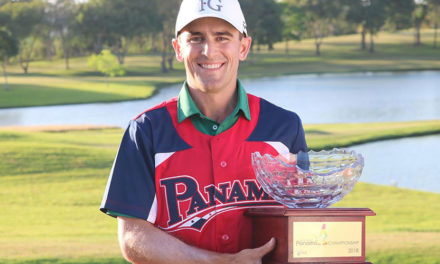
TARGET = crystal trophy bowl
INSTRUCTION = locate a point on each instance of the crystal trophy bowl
(308, 179)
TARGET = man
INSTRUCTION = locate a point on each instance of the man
(183, 178)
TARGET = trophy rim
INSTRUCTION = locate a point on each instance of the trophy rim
(321, 198)
(358, 157)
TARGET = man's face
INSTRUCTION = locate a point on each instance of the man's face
(211, 49)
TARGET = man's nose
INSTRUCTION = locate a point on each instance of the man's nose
(209, 48)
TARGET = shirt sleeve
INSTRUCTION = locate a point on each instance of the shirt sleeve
(299, 144)
(300, 147)
(131, 185)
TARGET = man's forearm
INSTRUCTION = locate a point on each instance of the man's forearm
(141, 242)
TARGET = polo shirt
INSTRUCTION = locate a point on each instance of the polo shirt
(188, 109)
(194, 186)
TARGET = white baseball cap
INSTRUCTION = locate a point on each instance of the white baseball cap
(228, 10)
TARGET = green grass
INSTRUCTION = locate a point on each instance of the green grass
(406, 227)
(50, 83)
(52, 184)
(328, 136)
(397, 209)
(426, 256)
(46, 90)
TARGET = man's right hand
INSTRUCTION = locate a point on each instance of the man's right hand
(255, 255)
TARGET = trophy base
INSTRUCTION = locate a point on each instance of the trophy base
(329, 235)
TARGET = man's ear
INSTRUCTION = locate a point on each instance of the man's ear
(245, 46)
(177, 49)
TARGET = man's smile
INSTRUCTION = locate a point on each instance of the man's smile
(211, 66)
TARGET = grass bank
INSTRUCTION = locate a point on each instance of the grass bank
(52, 184)
(327, 136)
(49, 83)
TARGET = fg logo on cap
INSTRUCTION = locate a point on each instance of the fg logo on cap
(207, 3)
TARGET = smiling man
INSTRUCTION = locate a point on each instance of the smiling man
(183, 178)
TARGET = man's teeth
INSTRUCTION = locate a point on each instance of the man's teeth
(211, 66)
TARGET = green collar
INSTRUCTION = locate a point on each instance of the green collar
(187, 108)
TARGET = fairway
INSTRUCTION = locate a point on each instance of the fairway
(52, 90)
(53, 181)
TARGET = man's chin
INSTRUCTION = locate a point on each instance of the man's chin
(210, 85)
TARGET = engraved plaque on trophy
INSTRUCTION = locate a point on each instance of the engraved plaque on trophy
(306, 230)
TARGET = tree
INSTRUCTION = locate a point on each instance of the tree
(23, 25)
(370, 15)
(62, 15)
(115, 24)
(4, 17)
(128, 19)
(167, 11)
(107, 63)
(319, 16)
(293, 20)
(93, 25)
(270, 24)
(376, 17)
(250, 11)
(47, 36)
(398, 13)
(264, 20)
(8, 48)
(357, 13)
(434, 17)
(419, 16)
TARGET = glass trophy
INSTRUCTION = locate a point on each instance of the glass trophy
(307, 183)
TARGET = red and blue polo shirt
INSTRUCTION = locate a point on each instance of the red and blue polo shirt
(197, 186)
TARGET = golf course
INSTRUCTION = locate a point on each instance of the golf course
(52, 178)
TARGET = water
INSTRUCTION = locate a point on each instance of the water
(112, 114)
(408, 162)
(348, 98)
(328, 98)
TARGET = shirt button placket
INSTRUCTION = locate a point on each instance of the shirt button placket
(220, 162)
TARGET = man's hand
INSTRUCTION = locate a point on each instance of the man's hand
(254, 255)
(141, 242)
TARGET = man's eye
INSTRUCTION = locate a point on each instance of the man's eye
(222, 39)
(195, 40)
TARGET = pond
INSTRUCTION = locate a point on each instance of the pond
(408, 162)
(326, 98)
